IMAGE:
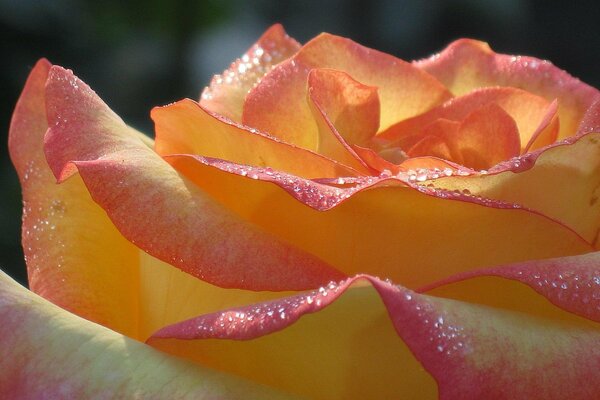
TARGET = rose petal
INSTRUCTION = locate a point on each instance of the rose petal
(571, 283)
(370, 224)
(48, 353)
(345, 346)
(486, 137)
(466, 65)
(185, 127)
(529, 111)
(278, 103)
(168, 295)
(353, 108)
(466, 347)
(227, 91)
(89, 271)
(532, 181)
(153, 206)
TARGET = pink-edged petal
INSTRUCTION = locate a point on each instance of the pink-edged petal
(75, 257)
(466, 65)
(571, 283)
(158, 209)
(371, 223)
(186, 127)
(528, 110)
(472, 351)
(338, 338)
(532, 181)
(227, 91)
(278, 103)
(48, 353)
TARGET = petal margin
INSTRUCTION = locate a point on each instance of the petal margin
(467, 64)
(156, 208)
(226, 93)
(472, 351)
(48, 353)
(365, 225)
(89, 271)
(277, 105)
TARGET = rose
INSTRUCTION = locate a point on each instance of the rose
(432, 202)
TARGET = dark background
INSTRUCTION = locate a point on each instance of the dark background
(138, 54)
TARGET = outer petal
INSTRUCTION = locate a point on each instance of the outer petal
(153, 206)
(48, 353)
(468, 64)
(371, 223)
(532, 181)
(187, 128)
(278, 105)
(91, 272)
(472, 351)
(227, 91)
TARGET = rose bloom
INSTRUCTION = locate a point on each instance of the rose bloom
(328, 222)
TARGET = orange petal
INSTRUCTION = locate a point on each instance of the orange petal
(371, 224)
(89, 271)
(48, 353)
(187, 128)
(529, 111)
(227, 91)
(532, 181)
(547, 132)
(466, 65)
(434, 141)
(278, 103)
(153, 206)
(465, 347)
(486, 137)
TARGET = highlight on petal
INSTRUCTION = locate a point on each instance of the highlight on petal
(472, 350)
(186, 127)
(227, 91)
(467, 64)
(50, 353)
(159, 210)
(75, 257)
(372, 222)
(532, 181)
(277, 105)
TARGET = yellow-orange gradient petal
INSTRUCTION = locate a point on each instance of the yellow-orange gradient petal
(472, 351)
(277, 105)
(466, 65)
(347, 350)
(75, 257)
(562, 182)
(381, 230)
(162, 212)
(48, 353)
(186, 127)
(227, 91)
